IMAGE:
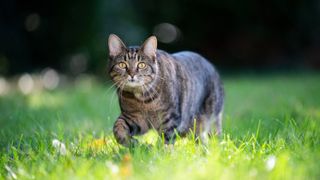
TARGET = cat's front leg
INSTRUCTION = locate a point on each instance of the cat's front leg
(169, 136)
(121, 131)
(168, 128)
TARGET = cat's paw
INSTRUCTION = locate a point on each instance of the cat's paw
(133, 142)
(169, 147)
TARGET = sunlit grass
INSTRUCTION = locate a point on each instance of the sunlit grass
(271, 131)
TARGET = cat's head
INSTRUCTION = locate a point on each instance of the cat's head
(132, 68)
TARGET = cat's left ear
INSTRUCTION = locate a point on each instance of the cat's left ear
(149, 47)
(116, 46)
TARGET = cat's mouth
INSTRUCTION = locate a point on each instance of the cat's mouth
(133, 83)
(132, 86)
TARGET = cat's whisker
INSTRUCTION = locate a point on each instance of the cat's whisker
(108, 81)
(113, 92)
(143, 93)
(113, 85)
(112, 98)
(151, 88)
(117, 85)
(121, 87)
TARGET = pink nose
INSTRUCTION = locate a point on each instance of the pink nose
(131, 78)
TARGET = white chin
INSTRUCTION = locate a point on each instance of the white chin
(133, 84)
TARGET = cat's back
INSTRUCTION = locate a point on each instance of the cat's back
(183, 55)
(194, 62)
(189, 59)
(188, 65)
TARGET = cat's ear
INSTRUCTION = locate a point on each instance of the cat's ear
(116, 46)
(149, 47)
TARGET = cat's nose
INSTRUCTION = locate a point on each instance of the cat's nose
(130, 73)
(131, 77)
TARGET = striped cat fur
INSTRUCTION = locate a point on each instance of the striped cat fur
(171, 93)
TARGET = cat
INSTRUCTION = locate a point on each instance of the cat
(171, 93)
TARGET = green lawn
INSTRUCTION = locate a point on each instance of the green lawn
(271, 131)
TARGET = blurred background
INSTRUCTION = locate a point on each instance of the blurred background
(70, 36)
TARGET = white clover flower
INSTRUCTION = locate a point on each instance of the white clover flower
(55, 143)
(113, 167)
(271, 162)
(59, 146)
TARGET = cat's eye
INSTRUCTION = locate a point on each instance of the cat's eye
(122, 65)
(142, 65)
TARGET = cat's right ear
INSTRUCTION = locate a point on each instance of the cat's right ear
(149, 47)
(116, 46)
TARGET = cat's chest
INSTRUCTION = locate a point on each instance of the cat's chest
(137, 102)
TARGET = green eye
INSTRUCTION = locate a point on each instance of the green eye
(142, 65)
(122, 65)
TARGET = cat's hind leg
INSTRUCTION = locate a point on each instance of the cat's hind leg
(203, 128)
(218, 123)
(211, 112)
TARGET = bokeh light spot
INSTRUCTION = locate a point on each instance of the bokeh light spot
(4, 86)
(166, 32)
(26, 84)
(50, 79)
(78, 63)
(32, 22)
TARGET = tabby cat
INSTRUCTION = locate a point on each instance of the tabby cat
(171, 93)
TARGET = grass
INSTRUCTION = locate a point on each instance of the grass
(271, 131)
